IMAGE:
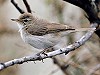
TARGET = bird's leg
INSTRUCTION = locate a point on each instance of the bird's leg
(45, 51)
(39, 56)
(50, 49)
(42, 52)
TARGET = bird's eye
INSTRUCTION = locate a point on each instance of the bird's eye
(25, 20)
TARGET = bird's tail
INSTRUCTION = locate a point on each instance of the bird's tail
(77, 30)
(84, 29)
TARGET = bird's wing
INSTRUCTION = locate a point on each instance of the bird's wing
(54, 28)
(48, 29)
(36, 30)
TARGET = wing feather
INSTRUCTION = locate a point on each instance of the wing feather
(50, 28)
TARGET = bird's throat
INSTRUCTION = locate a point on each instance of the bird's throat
(20, 27)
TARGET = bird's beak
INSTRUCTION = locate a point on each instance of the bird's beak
(15, 20)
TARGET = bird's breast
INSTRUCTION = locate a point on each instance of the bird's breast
(39, 42)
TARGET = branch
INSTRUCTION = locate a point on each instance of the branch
(27, 6)
(17, 7)
(88, 7)
(66, 50)
(91, 8)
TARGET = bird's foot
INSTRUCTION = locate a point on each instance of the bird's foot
(44, 52)
(39, 55)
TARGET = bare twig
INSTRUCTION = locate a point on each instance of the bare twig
(88, 7)
(17, 7)
(66, 50)
(27, 6)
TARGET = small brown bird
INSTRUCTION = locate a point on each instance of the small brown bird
(42, 34)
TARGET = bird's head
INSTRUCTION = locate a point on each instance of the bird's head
(24, 19)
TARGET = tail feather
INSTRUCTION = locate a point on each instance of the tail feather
(84, 29)
(76, 30)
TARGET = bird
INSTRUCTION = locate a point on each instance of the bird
(42, 34)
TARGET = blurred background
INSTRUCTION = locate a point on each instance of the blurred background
(83, 61)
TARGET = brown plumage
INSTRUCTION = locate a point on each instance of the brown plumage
(40, 33)
(47, 29)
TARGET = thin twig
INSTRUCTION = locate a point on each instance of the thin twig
(35, 57)
(87, 6)
(27, 6)
(17, 7)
